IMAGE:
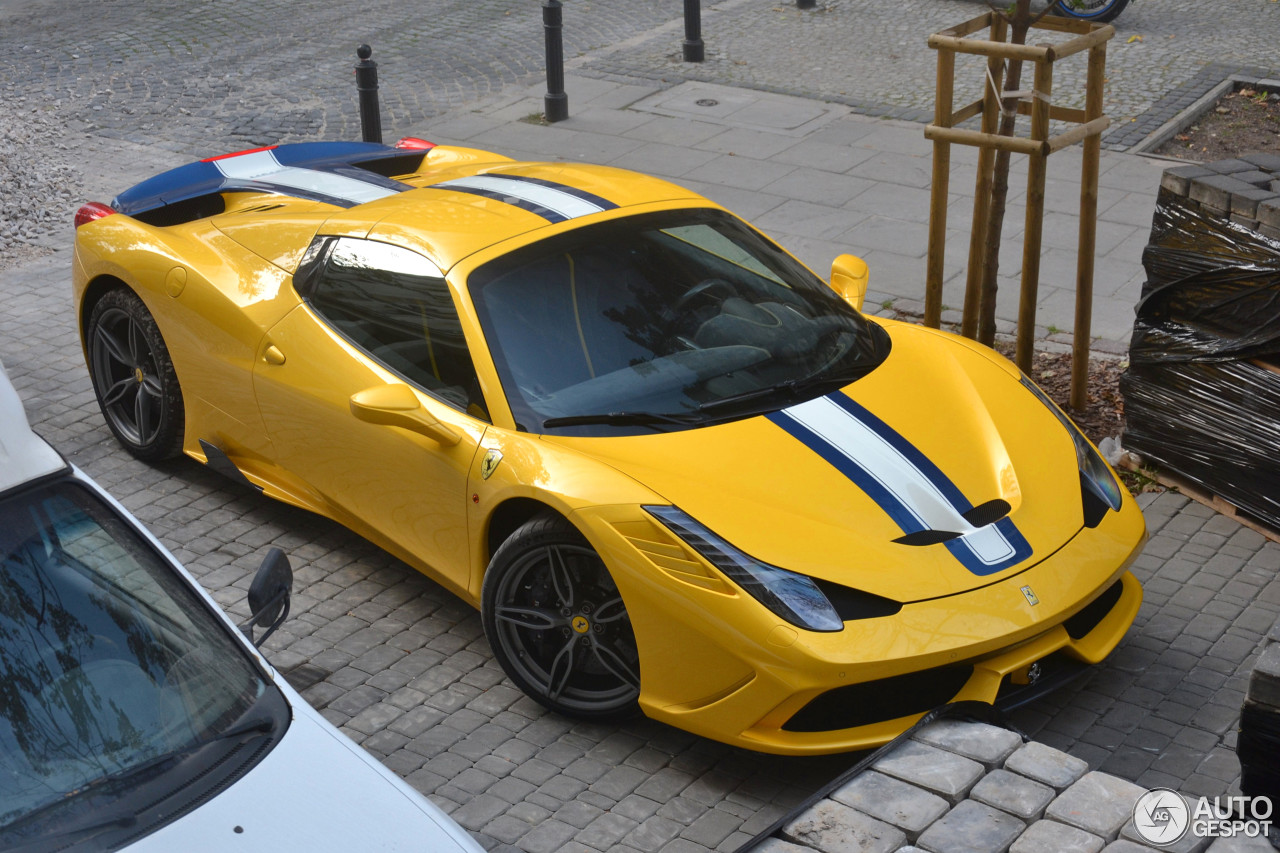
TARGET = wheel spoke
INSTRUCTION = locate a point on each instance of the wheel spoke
(137, 344)
(116, 392)
(115, 349)
(616, 664)
(561, 668)
(151, 384)
(561, 577)
(610, 610)
(142, 416)
(537, 618)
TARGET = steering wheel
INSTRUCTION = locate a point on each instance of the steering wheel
(702, 288)
(831, 349)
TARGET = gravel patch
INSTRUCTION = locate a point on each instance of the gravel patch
(42, 188)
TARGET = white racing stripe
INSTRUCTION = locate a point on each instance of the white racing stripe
(568, 206)
(262, 166)
(896, 474)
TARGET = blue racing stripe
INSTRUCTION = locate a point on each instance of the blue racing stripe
(845, 458)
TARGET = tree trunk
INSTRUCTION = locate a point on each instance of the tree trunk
(1020, 21)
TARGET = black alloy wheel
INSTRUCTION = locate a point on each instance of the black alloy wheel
(558, 625)
(133, 377)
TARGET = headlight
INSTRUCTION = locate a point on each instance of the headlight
(1095, 477)
(793, 597)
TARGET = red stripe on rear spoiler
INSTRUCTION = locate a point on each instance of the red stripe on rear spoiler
(239, 153)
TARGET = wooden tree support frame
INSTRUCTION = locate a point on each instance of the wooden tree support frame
(1089, 125)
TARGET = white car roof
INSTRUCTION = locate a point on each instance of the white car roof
(23, 454)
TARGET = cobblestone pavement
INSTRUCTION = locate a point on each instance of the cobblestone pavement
(873, 54)
(398, 663)
(193, 77)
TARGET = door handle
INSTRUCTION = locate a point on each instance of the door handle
(272, 355)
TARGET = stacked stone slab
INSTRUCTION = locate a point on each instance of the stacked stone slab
(964, 787)
(1245, 190)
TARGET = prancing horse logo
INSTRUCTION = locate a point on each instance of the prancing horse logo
(1030, 596)
(490, 463)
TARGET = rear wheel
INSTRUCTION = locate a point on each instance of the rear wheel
(1091, 10)
(557, 623)
(133, 377)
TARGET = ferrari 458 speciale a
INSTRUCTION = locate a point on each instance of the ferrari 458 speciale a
(675, 469)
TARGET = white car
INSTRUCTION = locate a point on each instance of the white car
(133, 713)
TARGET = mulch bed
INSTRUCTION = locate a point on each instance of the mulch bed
(1246, 121)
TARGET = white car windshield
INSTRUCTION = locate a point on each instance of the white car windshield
(664, 321)
(114, 675)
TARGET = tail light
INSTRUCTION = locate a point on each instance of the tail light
(415, 144)
(91, 211)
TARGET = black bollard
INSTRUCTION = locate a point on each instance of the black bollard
(806, 4)
(555, 106)
(367, 87)
(693, 48)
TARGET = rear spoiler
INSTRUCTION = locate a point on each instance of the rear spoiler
(343, 174)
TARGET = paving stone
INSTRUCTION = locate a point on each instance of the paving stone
(1098, 803)
(1264, 683)
(778, 845)
(1241, 844)
(939, 771)
(833, 827)
(972, 827)
(988, 744)
(1125, 846)
(1013, 793)
(1044, 764)
(1047, 836)
(910, 808)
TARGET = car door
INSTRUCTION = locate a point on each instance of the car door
(370, 397)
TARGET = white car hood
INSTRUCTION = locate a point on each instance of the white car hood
(316, 791)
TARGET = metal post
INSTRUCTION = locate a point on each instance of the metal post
(806, 4)
(693, 47)
(367, 87)
(555, 106)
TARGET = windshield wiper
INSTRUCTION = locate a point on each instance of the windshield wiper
(789, 390)
(620, 419)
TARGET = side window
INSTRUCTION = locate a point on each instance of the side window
(394, 304)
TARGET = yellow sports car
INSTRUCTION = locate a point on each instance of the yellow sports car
(674, 469)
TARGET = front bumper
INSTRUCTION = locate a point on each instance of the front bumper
(715, 663)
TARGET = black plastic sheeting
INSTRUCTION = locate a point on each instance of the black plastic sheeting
(1198, 397)
(1257, 748)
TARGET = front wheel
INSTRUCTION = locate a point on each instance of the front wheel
(1100, 11)
(133, 377)
(558, 625)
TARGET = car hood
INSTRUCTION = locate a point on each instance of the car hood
(315, 791)
(826, 486)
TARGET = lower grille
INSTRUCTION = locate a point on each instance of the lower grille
(883, 699)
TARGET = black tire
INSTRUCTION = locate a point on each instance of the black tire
(558, 625)
(1100, 11)
(133, 377)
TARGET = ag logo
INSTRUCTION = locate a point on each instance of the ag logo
(1161, 816)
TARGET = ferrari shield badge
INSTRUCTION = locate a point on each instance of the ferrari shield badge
(1026, 591)
(490, 463)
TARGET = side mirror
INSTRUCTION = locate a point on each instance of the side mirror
(396, 405)
(269, 596)
(849, 276)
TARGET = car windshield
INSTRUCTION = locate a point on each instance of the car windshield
(112, 669)
(664, 321)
